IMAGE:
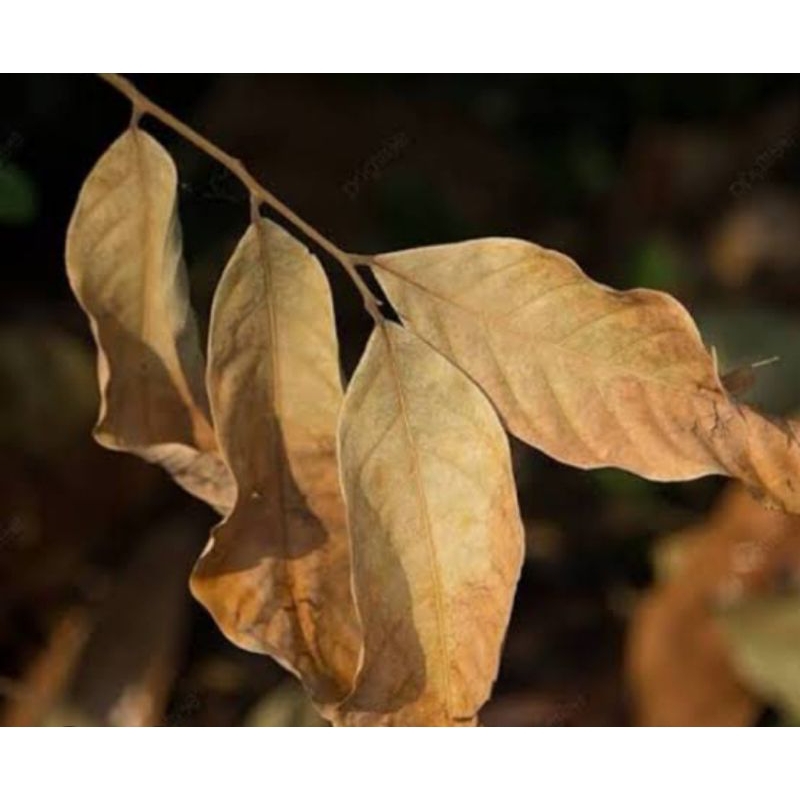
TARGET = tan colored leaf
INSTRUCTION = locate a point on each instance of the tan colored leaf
(592, 376)
(681, 667)
(126, 268)
(436, 534)
(276, 574)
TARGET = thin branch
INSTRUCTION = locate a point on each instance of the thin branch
(143, 105)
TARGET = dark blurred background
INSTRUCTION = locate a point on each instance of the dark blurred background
(690, 184)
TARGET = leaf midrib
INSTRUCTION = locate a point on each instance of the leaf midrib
(441, 624)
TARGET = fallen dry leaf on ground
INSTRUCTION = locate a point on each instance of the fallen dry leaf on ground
(436, 535)
(125, 265)
(592, 376)
(276, 574)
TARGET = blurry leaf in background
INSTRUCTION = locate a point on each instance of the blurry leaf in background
(19, 198)
(763, 635)
(680, 663)
(678, 668)
(287, 706)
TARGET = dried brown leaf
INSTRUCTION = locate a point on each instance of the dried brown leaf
(679, 662)
(592, 376)
(678, 665)
(125, 265)
(276, 573)
(436, 534)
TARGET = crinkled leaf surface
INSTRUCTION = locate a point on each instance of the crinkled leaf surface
(436, 534)
(276, 573)
(125, 265)
(592, 376)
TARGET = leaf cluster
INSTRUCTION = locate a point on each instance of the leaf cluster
(370, 538)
